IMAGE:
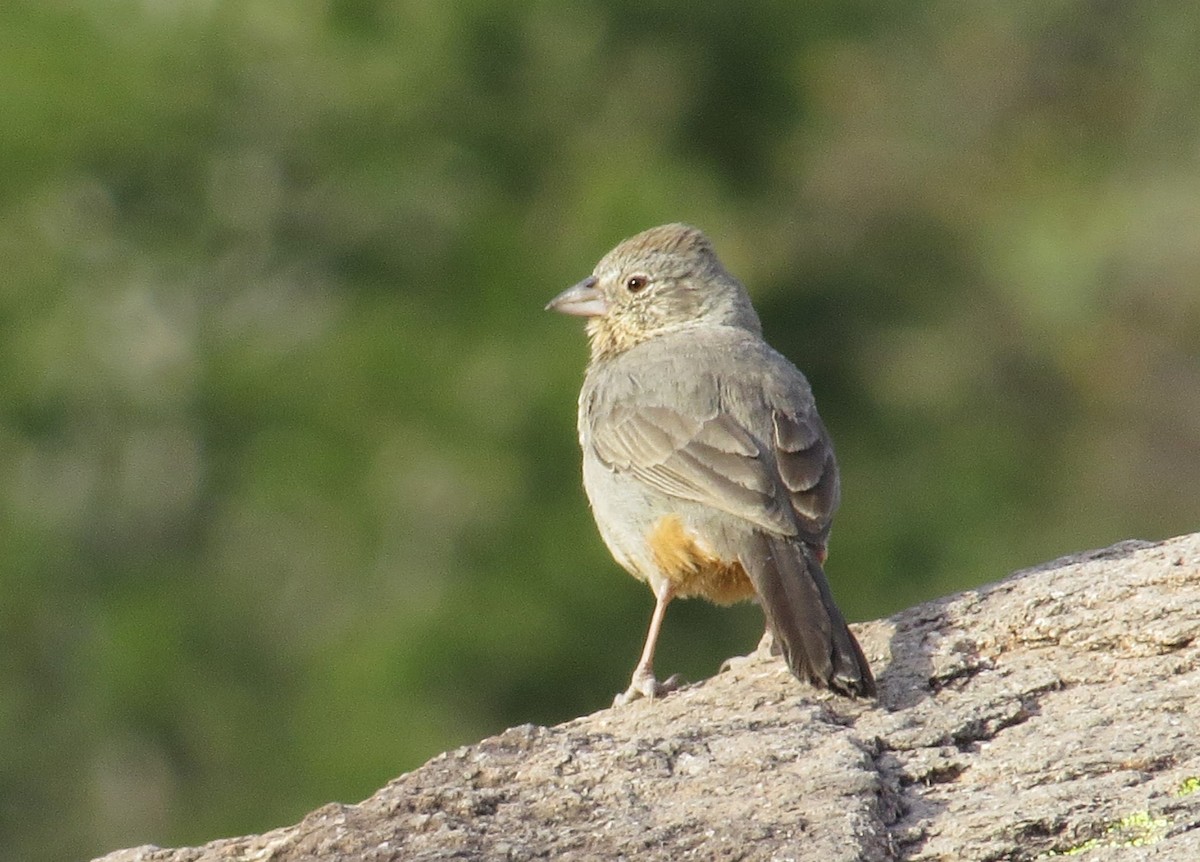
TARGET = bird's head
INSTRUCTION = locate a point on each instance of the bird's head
(661, 280)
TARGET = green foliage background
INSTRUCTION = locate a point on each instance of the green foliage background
(288, 481)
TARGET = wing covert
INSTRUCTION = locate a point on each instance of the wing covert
(713, 461)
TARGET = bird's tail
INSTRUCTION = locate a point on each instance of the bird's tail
(807, 625)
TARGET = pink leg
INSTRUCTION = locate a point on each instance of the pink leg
(643, 683)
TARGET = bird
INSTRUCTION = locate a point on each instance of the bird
(708, 470)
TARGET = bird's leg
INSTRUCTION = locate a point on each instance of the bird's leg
(767, 646)
(643, 683)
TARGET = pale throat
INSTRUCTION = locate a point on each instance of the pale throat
(610, 337)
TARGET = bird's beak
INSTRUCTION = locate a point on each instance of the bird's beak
(582, 300)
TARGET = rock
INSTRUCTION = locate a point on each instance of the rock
(1053, 713)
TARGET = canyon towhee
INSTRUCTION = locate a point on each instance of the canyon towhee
(708, 469)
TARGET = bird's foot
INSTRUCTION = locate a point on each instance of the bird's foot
(767, 647)
(645, 685)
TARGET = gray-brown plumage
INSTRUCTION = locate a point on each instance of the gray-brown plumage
(708, 469)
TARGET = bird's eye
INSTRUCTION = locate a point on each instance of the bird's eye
(636, 283)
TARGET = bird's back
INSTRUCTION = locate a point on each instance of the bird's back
(702, 372)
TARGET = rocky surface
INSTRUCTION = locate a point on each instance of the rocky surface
(1056, 712)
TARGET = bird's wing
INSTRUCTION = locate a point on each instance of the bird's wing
(806, 465)
(712, 460)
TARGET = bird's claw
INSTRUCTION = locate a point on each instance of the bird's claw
(767, 647)
(644, 685)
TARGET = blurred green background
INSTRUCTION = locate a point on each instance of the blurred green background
(289, 494)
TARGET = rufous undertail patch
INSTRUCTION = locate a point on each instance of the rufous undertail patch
(692, 568)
